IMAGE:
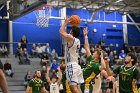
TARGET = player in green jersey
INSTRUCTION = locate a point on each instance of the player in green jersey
(36, 85)
(128, 74)
(94, 67)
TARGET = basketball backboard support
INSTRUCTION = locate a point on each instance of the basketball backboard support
(20, 8)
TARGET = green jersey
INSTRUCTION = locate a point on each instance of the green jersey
(89, 73)
(127, 78)
(36, 85)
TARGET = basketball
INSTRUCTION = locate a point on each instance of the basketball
(75, 20)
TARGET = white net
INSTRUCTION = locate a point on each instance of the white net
(43, 16)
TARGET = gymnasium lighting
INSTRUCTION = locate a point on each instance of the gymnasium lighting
(94, 30)
(114, 26)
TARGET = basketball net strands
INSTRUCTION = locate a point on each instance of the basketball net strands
(43, 15)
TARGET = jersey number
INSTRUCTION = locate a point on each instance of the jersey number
(123, 77)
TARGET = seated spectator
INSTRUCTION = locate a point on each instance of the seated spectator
(27, 78)
(45, 60)
(115, 56)
(111, 57)
(54, 66)
(48, 49)
(122, 55)
(8, 68)
(18, 51)
(4, 50)
(24, 57)
(43, 47)
(24, 42)
(34, 51)
(39, 50)
(101, 42)
(54, 55)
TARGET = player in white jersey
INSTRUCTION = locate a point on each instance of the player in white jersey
(54, 81)
(73, 70)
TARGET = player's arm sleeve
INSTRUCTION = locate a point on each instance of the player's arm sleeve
(117, 70)
(30, 83)
(137, 74)
(89, 58)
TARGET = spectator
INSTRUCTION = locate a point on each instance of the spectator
(18, 50)
(39, 50)
(111, 57)
(43, 47)
(24, 57)
(27, 78)
(101, 42)
(24, 42)
(4, 50)
(122, 55)
(48, 49)
(8, 68)
(34, 51)
(54, 66)
(45, 60)
(54, 55)
(115, 56)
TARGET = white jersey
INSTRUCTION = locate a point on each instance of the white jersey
(72, 52)
(54, 88)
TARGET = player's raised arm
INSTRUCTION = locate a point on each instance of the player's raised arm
(63, 32)
(59, 75)
(86, 44)
(103, 65)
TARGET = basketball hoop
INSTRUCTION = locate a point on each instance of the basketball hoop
(43, 15)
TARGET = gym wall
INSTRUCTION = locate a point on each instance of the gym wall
(133, 32)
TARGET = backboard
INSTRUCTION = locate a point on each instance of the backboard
(19, 8)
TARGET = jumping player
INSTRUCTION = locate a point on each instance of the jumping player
(94, 67)
(73, 70)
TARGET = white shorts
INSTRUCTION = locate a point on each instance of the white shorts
(74, 74)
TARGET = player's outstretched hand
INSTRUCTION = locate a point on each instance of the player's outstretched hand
(86, 31)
